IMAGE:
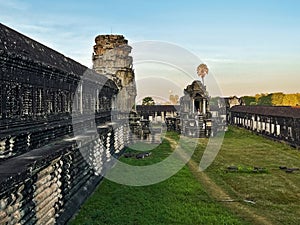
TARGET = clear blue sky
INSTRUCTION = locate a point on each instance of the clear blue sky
(250, 46)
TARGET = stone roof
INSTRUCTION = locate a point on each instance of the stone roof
(13, 42)
(157, 108)
(196, 88)
(278, 111)
(16, 45)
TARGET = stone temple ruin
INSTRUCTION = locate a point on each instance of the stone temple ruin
(47, 170)
(196, 119)
(111, 59)
(191, 118)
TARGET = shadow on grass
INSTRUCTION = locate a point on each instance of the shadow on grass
(177, 200)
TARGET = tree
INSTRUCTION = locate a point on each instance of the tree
(148, 101)
(249, 100)
(273, 99)
(202, 71)
(290, 100)
(265, 100)
(257, 96)
(277, 98)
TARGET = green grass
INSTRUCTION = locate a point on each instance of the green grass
(177, 200)
(192, 197)
(276, 193)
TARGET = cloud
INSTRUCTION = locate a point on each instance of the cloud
(13, 4)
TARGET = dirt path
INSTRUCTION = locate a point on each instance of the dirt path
(217, 193)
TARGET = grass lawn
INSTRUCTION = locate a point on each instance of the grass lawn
(276, 193)
(177, 200)
(216, 196)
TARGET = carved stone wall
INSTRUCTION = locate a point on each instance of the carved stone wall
(46, 170)
(280, 123)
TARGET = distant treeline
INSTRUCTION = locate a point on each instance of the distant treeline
(273, 99)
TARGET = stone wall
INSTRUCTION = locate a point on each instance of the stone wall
(47, 169)
(280, 123)
(157, 113)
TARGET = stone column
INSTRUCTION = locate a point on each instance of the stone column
(80, 99)
(204, 106)
(193, 106)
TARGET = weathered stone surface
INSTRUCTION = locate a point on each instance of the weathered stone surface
(195, 117)
(111, 58)
(44, 175)
(107, 42)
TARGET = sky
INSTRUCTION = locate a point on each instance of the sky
(249, 46)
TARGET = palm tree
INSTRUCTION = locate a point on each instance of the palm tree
(202, 71)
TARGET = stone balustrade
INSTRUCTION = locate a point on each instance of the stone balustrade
(47, 169)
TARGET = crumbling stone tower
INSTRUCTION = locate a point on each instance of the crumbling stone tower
(111, 58)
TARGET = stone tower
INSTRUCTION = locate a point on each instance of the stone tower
(111, 58)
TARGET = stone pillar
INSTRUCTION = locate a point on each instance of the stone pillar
(270, 125)
(80, 99)
(204, 106)
(193, 106)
